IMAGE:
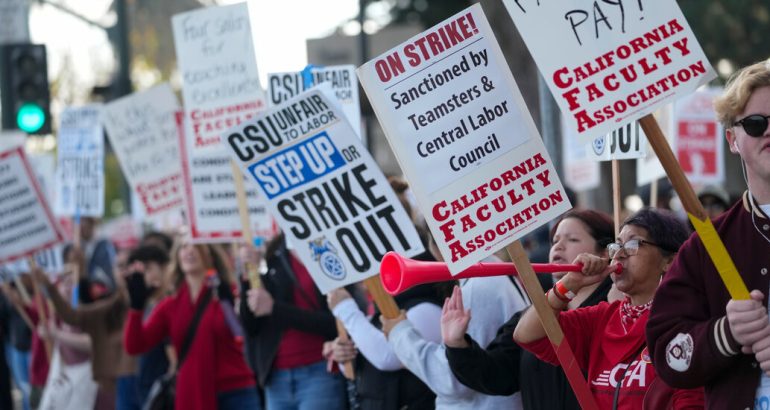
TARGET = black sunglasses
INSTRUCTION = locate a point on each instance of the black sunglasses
(755, 125)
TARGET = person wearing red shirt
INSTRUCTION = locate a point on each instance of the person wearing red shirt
(214, 374)
(608, 338)
(287, 321)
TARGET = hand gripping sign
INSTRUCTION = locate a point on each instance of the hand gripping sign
(325, 190)
(620, 62)
(461, 132)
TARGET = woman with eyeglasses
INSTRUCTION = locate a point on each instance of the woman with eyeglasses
(698, 335)
(608, 339)
(503, 368)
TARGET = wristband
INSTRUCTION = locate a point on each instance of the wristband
(562, 292)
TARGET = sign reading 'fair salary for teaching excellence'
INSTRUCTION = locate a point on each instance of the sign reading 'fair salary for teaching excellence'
(80, 173)
(617, 61)
(463, 136)
(142, 130)
(342, 79)
(220, 89)
(26, 223)
(327, 193)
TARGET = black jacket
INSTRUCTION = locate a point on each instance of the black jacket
(263, 334)
(505, 368)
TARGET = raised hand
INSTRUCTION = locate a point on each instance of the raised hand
(454, 320)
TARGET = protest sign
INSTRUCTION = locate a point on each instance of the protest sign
(14, 21)
(329, 197)
(580, 173)
(648, 167)
(27, 223)
(142, 131)
(699, 142)
(342, 78)
(626, 142)
(80, 171)
(220, 89)
(616, 62)
(44, 167)
(462, 134)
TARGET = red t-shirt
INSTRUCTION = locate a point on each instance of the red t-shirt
(604, 349)
(299, 348)
(215, 362)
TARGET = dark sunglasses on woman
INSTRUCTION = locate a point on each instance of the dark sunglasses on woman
(755, 125)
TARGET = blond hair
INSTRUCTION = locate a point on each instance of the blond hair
(738, 90)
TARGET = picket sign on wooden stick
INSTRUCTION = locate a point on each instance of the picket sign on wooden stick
(243, 212)
(40, 307)
(654, 193)
(695, 211)
(551, 325)
(347, 367)
(616, 194)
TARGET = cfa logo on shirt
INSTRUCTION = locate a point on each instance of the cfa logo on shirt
(636, 374)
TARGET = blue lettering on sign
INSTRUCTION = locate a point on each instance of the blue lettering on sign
(297, 165)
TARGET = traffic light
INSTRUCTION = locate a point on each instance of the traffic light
(26, 98)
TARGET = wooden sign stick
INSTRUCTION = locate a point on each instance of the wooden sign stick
(243, 212)
(19, 308)
(695, 211)
(616, 194)
(654, 193)
(551, 325)
(347, 367)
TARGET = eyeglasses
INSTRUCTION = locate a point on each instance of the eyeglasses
(755, 125)
(631, 247)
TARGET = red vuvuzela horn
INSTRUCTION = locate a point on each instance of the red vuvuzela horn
(398, 273)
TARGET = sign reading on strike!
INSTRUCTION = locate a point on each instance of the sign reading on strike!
(327, 193)
(699, 137)
(342, 79)
(80, 172)
(617, 61)
(220, 89)
(26, 223)
(142, 130)
(461, 132)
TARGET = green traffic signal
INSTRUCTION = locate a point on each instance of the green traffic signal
(30, 118)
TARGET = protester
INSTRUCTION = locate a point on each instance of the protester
(101, 317)
(99, 253)
(150, 261)
(714, 199)
(504, 367)
(290, 322)
(18, 339)
(700, 336)
(494, 300)
(608, 339)
(212, 372)
(381, 380)
(70, 384)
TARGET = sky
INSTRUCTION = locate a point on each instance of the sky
(280, 28)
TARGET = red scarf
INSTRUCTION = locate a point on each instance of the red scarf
(629, 313)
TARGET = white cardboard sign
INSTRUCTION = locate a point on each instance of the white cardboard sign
(327, 193)
(615, 61)
(626, 142)
(142, 130)
(462, 134)
(26, 222)
(80, 170)
(342, 78)
(221, 89)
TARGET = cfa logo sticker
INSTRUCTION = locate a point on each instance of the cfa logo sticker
(679, 352)
(598, 145)
(324, 253)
